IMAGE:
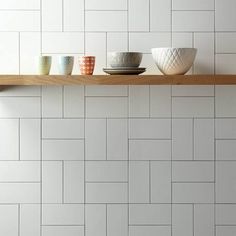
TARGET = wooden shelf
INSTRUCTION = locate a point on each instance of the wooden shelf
(11, 80)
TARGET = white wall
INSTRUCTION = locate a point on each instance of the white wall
(117, 160)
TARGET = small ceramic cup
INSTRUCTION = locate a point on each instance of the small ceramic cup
(87, 64)
(65, 65)
(44, 65)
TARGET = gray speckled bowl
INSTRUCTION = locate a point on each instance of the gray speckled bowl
(124, 59)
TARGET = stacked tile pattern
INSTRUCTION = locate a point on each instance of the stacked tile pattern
(117, 160)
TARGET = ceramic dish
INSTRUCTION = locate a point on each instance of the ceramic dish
(133, 71)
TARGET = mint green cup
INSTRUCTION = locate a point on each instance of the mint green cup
(65, 65)
(44, 65)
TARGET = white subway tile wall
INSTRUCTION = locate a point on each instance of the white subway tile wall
(117, 160)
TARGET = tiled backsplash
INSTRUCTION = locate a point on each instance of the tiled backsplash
(117, 160)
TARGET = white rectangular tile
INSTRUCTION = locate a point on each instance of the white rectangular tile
(20, 5)
(182, 139)
(193, 192)
(225, 150)
(150, 128)
(205, 59)
(63, 150)
(50, 23)
(225, 42)
(73, 15)
(117, 220)
(225, 214)
(30, 139)
(186, 21)
(21, 91)
(112, 107)
(150, 230)
(204, 220)
(149, 214)
(19, 107)
(204, 139)
(96, 46)
(63, 230)
(29, 52)
(19, 171)
(106, 21)
(225, 101)
(225, 180)
(138, 15)
(106, 193)
(160, 101)
(63, 128)
(225, 63)
(105, 171)
(52, 101)
(182, 40)
(160, 182)
(192, 90)
(106, 90)
(117, 139)
(193, 5)
(9, 52)
(15, 20)
(106, 5)
(73, 182)
(225, 17)
(225, 230)
(52, 182)
(117, 41)
(95, 139)
(226, 128)
(143, 42)
(139, 101)
(9, 139)
(194, 171)
(193, 107)
(19, 193)
(29, 219)
(160, 15)
(95, 219)
(73, 101)
(9, 220)
(150, 149)
(63, 214)
(66, 42)
(182, 220)
(139, 182)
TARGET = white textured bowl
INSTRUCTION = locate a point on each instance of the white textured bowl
(174, 61)
(124, 59)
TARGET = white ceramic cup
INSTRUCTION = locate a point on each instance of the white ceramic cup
(65, 65)
(44, 65)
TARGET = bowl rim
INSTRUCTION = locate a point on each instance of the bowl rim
(126, 52)
(166, 48)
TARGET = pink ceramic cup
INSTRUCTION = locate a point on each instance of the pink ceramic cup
(87, 64)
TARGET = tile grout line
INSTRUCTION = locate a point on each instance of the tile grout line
(19, 141)
(84, 161)
(171, 161)
(193, 138)
(19, 210)
(106, 220)
(63, 181)
(128, 160)
(41, 162)
(106, 138)
(41, 27)
(193, 220)
(150, 190)
(84, 32)
(19, 53)
(215, 161)
(214, 36)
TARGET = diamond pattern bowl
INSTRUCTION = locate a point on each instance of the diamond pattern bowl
(174, 61)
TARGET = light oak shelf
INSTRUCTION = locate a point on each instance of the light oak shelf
(15, 80)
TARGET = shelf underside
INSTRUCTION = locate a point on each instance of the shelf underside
(10, 80)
